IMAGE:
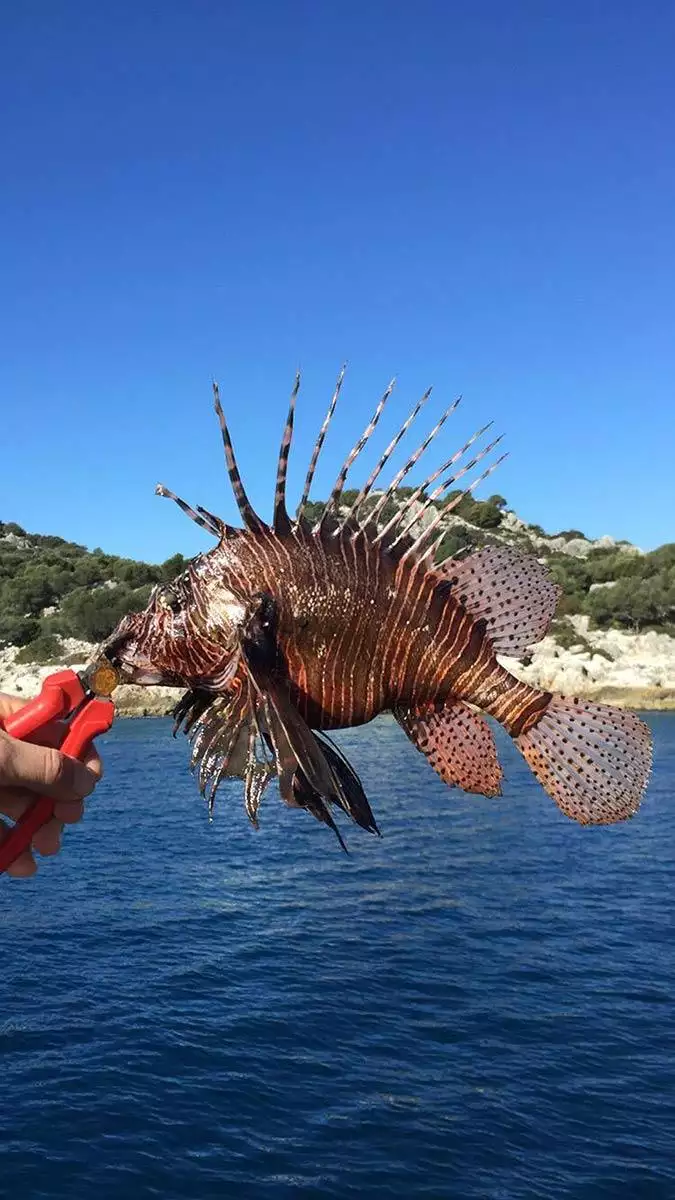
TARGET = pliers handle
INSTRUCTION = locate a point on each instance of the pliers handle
(64, 696)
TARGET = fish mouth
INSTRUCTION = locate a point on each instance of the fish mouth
(135, 673)
(135, 667)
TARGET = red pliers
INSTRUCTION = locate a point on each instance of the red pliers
(83, 702)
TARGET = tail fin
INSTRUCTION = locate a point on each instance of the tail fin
(593, 760)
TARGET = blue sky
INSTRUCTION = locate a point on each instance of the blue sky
(478, 196)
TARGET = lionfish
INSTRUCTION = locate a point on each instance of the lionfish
(286, 630)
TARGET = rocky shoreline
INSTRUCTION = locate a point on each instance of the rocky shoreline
(630, 670)
(25, 679)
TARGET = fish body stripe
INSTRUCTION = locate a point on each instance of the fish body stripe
(355, 638)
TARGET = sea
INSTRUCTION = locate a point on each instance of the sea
(478, 1004)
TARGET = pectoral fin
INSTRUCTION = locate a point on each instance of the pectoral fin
(312, 773)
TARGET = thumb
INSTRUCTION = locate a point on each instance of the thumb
(43, 770)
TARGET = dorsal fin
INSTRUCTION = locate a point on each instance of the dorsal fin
(423, 547)
(354, 453)
(281, 522)
(201, 516)
(512, 591)
(248, 514)
(319, 443)
(365, 490)
(408, 514)
(414, 458)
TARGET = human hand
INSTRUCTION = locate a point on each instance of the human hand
(28, 771)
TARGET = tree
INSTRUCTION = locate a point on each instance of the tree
(137, 574)
(172, 567)
(313, 510)
(16, 630)
(455, 540)
(349, 496)
(634, 603)
(486, 515)
(94, 614)
(569, 534)
(32, 591)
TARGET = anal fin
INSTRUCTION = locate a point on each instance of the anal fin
(459, 745)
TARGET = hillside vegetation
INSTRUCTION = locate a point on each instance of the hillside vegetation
(51, 588)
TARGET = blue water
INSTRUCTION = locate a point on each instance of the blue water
(480, 1004)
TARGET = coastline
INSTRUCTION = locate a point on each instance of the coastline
(635, 671)
(129, 705)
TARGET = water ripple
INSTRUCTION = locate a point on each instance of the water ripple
(477, 1005)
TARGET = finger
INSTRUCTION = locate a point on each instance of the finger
(92, 761)
(53, 735)
(10, 704)
(15, 801)
(68, 811)
(43, 770)
(25, 864)
(47, 840)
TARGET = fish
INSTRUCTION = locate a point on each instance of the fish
(287, 630)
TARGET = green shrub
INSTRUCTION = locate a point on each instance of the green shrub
(634, 604)
(349, 496)
(50, 572)
(456, 539)
(30, 592)
(606, 564)
(93, 615)
(564, 633)
(46, 648)
(172, 567)
(313, 510)
(484, 513)
(566, 636)
(574, 578)
(16, 630)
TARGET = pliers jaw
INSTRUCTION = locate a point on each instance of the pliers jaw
(100, 678)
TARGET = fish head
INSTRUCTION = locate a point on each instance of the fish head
(187, 635)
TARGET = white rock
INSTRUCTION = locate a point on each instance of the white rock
(25, 679)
